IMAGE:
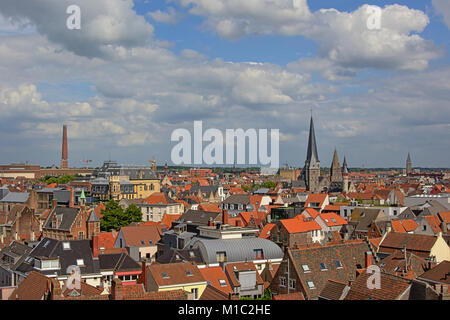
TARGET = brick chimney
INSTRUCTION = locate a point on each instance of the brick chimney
(95, 248)
(54, 203)
(72, 197)
(144, 275)
(32, 200)
(224, 217)
(64, 155)
(116, 290)
(369, 259)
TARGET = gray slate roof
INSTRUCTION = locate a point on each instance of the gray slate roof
(237, 250)
(51, 248)
(68, 216)
(16, 197)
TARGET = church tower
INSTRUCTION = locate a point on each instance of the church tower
(336, 171)
(345, 176)
(312, 163)
(408, 165)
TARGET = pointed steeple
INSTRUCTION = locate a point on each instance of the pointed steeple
(312, 155)
(335, 162)
(344, 167)
(408, 164)
(336, 171)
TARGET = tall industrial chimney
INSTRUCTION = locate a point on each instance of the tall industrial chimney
(64, 158)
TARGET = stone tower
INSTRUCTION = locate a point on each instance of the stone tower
(408, 164)
(336, 170)
(345, 176)
(64, 156)
(312, 163)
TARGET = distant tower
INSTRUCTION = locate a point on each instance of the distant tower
(345, 176)
(166, 168)
(408, 164)
(64, 158)
(336, 170)
(312, 163)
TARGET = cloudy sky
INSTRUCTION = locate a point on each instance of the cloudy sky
(137, 70)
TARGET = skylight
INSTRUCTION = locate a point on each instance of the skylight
(222, 282)
(338, 264)
(66, 245)
(80, 262)
(189, 273)
(305, 267)
(311, 285)
(323, 266)
(165, 275)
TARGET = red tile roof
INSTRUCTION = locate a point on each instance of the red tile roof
(332, 219)
(135, 234)
(296, 225)
(265, 232)
(168, 219)
(213, 275)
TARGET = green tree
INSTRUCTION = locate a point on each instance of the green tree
(269, 185)
(134, 213)
(113, 217)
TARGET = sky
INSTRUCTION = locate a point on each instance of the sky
(138, 70)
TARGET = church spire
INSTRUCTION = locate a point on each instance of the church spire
(336, 171)
(345, 166)
(312, 156)
(408, 164)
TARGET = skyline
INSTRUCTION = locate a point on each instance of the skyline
(375, 95)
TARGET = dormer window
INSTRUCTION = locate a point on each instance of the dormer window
(51, 264)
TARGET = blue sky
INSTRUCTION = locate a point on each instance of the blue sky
(138, 70)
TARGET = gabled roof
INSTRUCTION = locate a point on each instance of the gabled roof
(316, 198)
(232, 270)
(438, 274)
(118, 262)
(212, 293)
(67, 215)
(296, 225)
(392, 287)
(434, 223)
(213, 275)
(168, 219)
(16, 197)
(135, 235)
(265, 232)
(332, 219)
(334, 290)
(175, 274)
(419, 243)
(158, 198)
(351, 255)
(33, 287)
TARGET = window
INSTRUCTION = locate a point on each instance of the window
(222, 282)
(291, 284)
(80, 262)
(150, 242)
(282, 282)
(50, 264)
(66, 245)
(81, 235)
(338, 264)
(311, 285)
(221, 256)
(323, 267)
(305, 268)
(143, 242)
(259, 254)
(189, 273)
(165, 275)
(191, 254)
(195, 292)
